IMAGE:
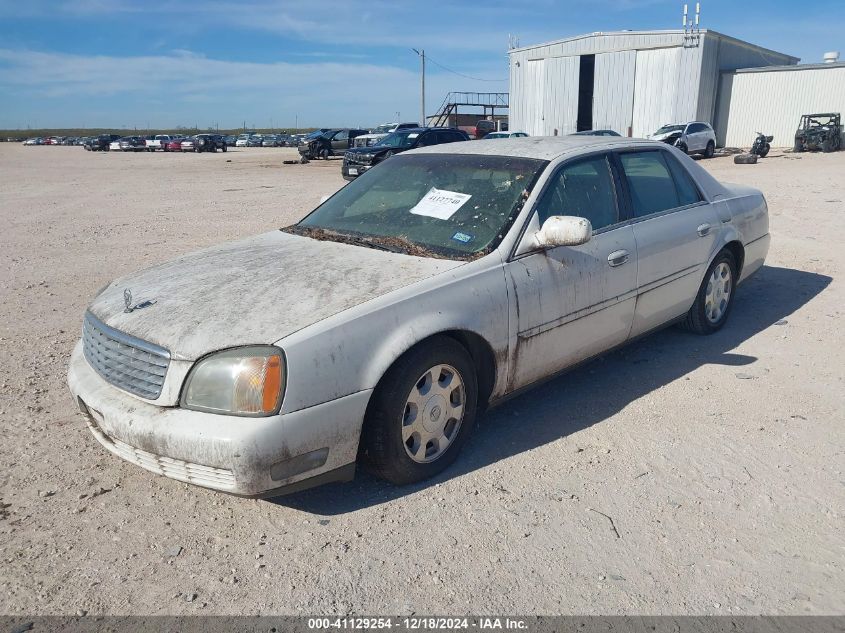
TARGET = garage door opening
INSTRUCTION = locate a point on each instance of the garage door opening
(586, 82)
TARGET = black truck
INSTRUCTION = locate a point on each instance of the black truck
(333, 142)
(359, 159)
(101, 143)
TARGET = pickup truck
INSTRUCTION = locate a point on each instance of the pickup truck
(159, 141)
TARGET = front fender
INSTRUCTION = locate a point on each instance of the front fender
(350, 351)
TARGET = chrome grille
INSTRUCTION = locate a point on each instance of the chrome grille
(126, 362)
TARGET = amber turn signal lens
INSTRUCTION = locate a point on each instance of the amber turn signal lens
(272, 384)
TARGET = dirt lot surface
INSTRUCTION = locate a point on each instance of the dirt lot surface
(678, 475)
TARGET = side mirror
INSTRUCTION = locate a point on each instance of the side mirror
(563, 230)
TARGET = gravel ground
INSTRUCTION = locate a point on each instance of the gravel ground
(678, 475)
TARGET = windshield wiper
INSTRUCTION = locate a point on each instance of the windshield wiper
(371, 243)
(345, 238)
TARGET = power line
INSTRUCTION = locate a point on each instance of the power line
(455, 72)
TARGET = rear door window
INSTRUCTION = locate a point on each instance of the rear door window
(650, 183)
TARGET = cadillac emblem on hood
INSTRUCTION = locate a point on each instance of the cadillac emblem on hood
(127, 300)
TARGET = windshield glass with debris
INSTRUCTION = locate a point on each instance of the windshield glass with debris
(670, 128)
(436, 205)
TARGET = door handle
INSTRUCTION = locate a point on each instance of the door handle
(703, 229)
(617, 258)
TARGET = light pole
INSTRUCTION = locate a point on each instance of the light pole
(421, 54)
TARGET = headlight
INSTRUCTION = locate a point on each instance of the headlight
(246, 381)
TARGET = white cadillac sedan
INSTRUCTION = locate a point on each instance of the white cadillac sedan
(378, 328)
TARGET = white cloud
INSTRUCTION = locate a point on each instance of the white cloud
(184, 86)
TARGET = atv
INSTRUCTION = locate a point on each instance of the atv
(819, 132)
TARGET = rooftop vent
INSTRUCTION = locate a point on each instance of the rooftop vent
(831, 57)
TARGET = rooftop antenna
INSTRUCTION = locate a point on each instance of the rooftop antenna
(692, 26)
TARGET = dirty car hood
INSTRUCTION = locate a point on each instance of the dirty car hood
(253, 291)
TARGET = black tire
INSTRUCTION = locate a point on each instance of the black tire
(827, 146)
(682, 146)
(798, 147)
(382, 448)
(324, 154)
(745, 159)
(711, 149)
(764, 152)
(225, 148)
(696, 320)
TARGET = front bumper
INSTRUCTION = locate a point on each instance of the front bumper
(254, 457)
(350, 171)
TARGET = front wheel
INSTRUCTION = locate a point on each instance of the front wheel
(711, 149)
(324, 154)
(421, 413)
(681, 146)
(715, 296)
(765, 150)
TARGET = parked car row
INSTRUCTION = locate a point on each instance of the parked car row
(56, 140)
(264, 140)
(163, 142)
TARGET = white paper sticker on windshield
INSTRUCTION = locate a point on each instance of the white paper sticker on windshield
(440, 204)
(414, 135)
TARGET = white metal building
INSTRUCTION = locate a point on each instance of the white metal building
(772, 100)
(631, 82)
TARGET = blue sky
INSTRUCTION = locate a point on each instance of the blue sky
(163, 63)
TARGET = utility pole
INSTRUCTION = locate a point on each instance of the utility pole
(421, 54)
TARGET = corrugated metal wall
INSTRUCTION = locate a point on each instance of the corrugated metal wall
(655, 89)
(560, 98)
(773, 102)
(549, 96)
(642, 79)
(613, 99)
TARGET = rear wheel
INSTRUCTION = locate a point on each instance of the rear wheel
(715, 296)
(421, 413)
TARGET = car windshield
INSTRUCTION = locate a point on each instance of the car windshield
(670, 128)
(431, 205)
(398, 139)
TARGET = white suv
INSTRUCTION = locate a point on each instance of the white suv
(696, 137)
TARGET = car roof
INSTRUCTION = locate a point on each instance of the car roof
(420, 130)
(540, 147)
